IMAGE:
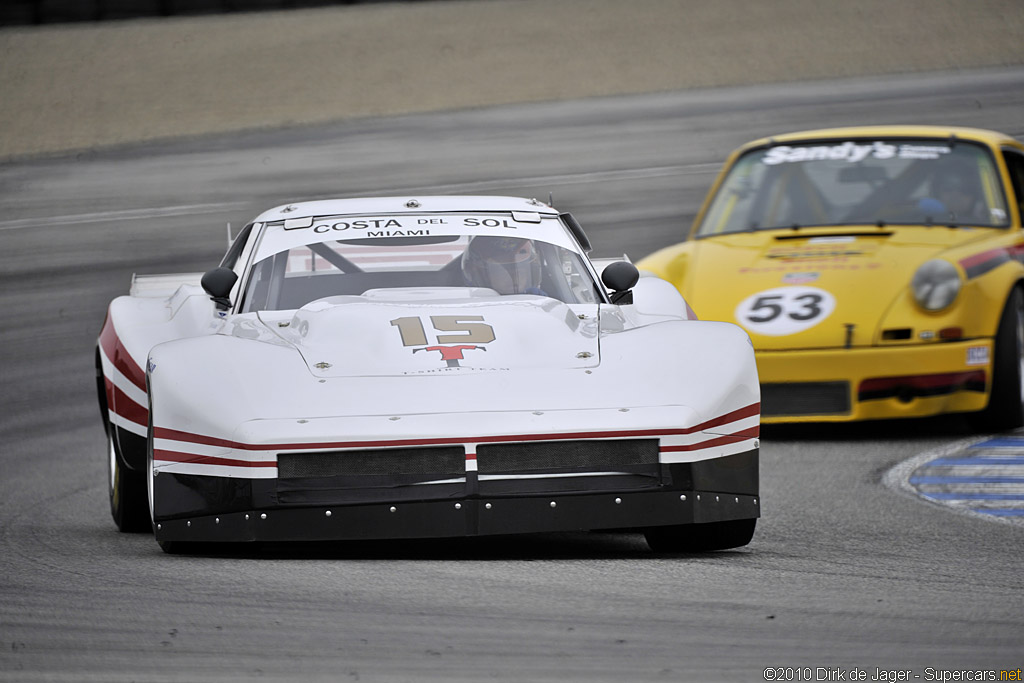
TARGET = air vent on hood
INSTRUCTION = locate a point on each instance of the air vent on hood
(818, 235)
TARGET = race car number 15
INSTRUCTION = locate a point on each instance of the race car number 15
(785, 310)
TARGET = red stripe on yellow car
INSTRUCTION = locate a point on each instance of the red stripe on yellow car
(981, 263)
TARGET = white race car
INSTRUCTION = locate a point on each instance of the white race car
(416, 368)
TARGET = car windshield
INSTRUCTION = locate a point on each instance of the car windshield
(846, 182)
(488, 257)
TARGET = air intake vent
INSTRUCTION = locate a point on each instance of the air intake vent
(383, 461)
(548, 456)
(897, 334)
(805, 398)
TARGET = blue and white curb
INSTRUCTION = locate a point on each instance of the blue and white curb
(982, 477)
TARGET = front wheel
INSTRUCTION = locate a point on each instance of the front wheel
(127, 489)
(1005, 408)
(697, 538)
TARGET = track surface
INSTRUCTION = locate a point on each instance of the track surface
(843, 571)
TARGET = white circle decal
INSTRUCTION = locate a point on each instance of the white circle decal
(785, 310)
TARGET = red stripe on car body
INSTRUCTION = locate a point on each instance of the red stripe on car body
(119, 356)
(188, 437)
(194, 459)
(125, 406)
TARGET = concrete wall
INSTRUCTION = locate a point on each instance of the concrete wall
(23, 12)
(88, 84)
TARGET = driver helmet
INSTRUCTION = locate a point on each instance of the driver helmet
(508, 265)
(956, 177)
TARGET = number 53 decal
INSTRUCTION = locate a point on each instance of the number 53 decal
(470, 331)
(785, 310)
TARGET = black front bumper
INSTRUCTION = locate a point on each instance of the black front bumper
(213, 509)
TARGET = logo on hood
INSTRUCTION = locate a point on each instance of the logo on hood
(451, 354)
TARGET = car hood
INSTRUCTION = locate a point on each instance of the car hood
(356, 337)
(811, 288)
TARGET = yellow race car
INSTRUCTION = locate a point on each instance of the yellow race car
(878, 271)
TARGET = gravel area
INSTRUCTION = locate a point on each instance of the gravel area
(80, 86)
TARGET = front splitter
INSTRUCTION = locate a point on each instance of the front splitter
(469, 517)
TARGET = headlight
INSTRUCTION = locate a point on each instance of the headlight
(936, 284)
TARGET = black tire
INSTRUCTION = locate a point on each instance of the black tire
(698, 538)
(129, 504)
(1005, 408)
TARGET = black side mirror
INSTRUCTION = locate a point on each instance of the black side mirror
(620, 278)
(218, 283)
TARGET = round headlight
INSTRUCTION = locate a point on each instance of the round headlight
(936, 284)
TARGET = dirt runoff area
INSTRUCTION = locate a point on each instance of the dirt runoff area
(80, 86)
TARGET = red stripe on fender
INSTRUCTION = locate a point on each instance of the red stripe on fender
(710, 443)
(108, 386)
(192, 458)
(922, 381)
(119, 356)
(188, 437)
(976, 259)
(741, 414)
(125, 406)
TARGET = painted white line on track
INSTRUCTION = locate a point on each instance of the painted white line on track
(124, 215)
(497, 184)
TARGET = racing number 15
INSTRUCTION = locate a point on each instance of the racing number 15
(413, 333)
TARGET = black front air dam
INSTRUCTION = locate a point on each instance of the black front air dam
(713, 490)
(442, 519)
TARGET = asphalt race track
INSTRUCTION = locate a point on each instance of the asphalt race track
(843, 572)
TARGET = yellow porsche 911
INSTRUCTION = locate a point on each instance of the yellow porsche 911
(878, 271)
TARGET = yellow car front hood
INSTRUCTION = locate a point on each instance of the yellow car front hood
(812, 288)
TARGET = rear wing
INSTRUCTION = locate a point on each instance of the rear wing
(161, 286)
